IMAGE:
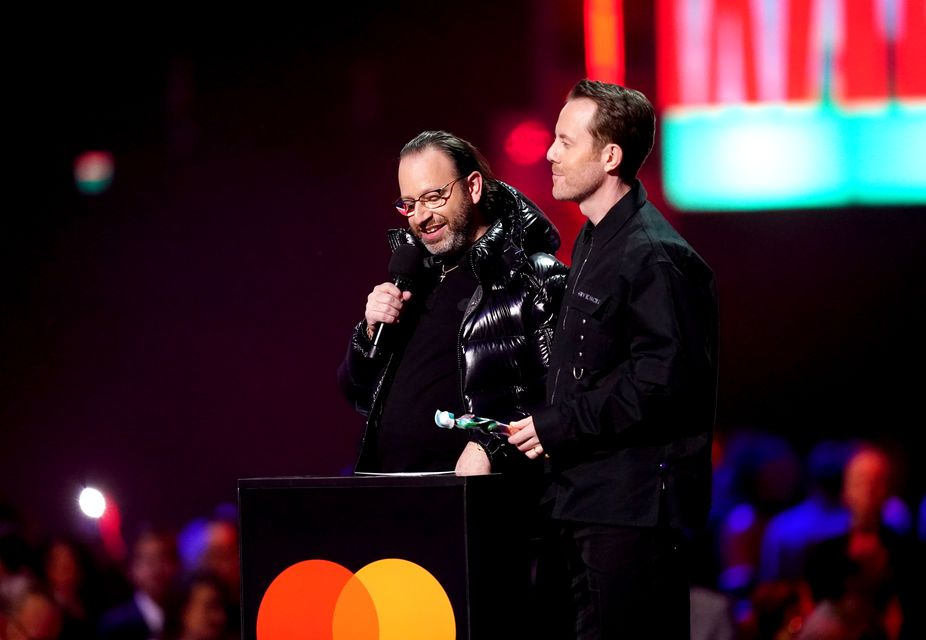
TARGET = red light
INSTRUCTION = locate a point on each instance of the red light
(111, 530)
(604, 40)
(528, 142)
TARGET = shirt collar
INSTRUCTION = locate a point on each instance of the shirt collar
(618, 215)
(150, 611)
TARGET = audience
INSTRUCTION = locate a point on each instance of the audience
(866, 581)
(153, 568)
(819, 516)
(200, 610)
(31, 614)
(17, 562)
(758, 476)
(210, 545)
(834, 553)
(73, 579)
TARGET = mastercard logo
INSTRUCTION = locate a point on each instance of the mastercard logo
(390, 599)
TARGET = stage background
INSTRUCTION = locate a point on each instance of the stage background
(181, 329)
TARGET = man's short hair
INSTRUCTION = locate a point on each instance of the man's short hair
(163, 535)
(466, 158)
(624, 117)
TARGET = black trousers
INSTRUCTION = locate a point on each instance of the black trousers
(602, 582)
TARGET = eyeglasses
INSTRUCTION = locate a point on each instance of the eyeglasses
(431, 200)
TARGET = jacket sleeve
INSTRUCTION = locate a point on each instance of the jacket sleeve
(358, 373)
(667, 378)
(546, 281)
(549, 275)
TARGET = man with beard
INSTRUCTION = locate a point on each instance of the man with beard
(632, 384)
(473, 333)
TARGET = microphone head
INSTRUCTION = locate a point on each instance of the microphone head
(406, 262)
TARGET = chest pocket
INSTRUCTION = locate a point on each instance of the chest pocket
(589, 305)
(592, 333)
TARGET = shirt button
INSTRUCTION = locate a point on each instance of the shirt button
(581, 337)
(580, 354)
(584, 320)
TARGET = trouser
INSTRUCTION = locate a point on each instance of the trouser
(626, 582)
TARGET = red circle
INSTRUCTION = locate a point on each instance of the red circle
(300, 603)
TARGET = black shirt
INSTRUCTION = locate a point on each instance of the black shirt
(426, 380)
(632, 381)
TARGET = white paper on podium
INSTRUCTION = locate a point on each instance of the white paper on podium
(404, 474)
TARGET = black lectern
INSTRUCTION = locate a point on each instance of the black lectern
(470, 534)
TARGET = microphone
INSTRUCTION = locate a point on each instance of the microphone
(404, 266)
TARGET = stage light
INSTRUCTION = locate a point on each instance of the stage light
(604, 40)
(771, 105)
(528, 142)
(92, 502)
(93, 171)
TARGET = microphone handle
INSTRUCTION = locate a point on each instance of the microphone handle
(404, 284)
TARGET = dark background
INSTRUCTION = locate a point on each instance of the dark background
(182, 329)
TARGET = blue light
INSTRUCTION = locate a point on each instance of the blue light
(794, 156)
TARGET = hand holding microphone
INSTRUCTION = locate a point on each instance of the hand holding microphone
(384, 305)
(386, 301)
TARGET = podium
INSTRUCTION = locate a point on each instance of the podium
(467, 538)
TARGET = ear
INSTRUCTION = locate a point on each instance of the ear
(474, 184)
(611, 156)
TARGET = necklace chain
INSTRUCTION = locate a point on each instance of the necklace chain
(444, 270)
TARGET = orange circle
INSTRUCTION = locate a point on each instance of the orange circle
(355, 616)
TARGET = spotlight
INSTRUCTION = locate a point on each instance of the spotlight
(92, 502)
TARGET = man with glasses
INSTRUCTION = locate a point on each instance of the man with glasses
(473, 333)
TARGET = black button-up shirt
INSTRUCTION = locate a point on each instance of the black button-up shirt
(632, 381)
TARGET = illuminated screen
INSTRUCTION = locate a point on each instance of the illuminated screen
(771, 104)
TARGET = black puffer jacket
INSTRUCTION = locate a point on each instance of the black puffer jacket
(504, 340)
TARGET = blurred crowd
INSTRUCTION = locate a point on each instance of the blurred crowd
(822, 544)
(173, 585)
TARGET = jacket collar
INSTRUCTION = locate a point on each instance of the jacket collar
(521, 229)
(618, 215)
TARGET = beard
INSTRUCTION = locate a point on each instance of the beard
(578, 184)
(459, 235)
